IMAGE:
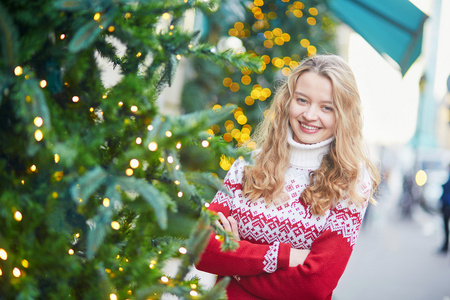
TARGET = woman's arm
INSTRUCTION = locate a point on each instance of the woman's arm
(319, 275)
(248, 259)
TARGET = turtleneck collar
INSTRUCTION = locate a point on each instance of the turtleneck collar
(307, 156)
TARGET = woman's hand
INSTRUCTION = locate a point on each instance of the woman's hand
(228, 224)
(298, 256)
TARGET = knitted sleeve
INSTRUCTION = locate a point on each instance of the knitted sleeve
(249, 258)
(320, 273)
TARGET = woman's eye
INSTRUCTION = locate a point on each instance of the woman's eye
(328, 108)
(301, 100)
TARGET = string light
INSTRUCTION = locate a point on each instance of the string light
(178, 56)
(206, 204)
(18, 70)
(106, 202)
(57, 158)
(120, 104)
(178, 146)
(38, 121)
(18, 216)
(177, 182)
(16, 272)
(205, 143)
(62, 36)
(127, 15)
(180, 194)
(138, 140)
(193, 293)
(152, 146)
(150, 127)
(75, 99)
(182, 250)
(97, 16)
(165, 279)
(43, 83)
(134, 108)
(25, 263)
(170, 159)
(3, 254)
(168, 133)
(113, 297)
(22, 181)
(115, 225)
(38, 135)
(129, 172)
(111, 28)
(177, 167)
(134, 163)
(166, 16)
(33, 168)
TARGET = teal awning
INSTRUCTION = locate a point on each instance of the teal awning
(392, 27)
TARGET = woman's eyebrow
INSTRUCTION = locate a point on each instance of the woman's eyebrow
(330, 102)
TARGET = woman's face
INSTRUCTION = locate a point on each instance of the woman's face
(311, 111)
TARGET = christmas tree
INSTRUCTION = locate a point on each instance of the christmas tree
(282, 32)
(93, 196)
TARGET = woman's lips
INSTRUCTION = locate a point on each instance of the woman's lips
(308, 128)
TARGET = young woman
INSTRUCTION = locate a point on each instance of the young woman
(297, 210)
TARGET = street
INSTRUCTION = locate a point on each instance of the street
(396, 259)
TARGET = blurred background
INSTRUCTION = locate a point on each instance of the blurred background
(400, 54)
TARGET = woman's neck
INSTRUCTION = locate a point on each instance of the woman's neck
(307, 155)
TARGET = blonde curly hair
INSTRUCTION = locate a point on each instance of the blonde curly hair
(340, 169)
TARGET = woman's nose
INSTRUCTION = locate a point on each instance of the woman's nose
(310, 113)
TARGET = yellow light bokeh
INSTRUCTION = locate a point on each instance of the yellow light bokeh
(57, 158)
(3, 254)
(205, 143)
(134, 163)
(249, 100)
(38, 135)
(43, 83)
(106, 202)
(234, 87)
(168, 133)
(311, 21)
(18, 70)
(152, 146)
(38, 121)
(421, 178)
(115, 225)
(242, 119)
(18, 216)
(75, 99)
(97, 16)
(246, 79)
(165, 279)
(129, 172)
(25, 263)
(16, 272)
(138, 140)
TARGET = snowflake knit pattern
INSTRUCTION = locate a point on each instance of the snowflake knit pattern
(260, 265)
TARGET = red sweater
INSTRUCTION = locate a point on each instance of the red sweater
(260, 265)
